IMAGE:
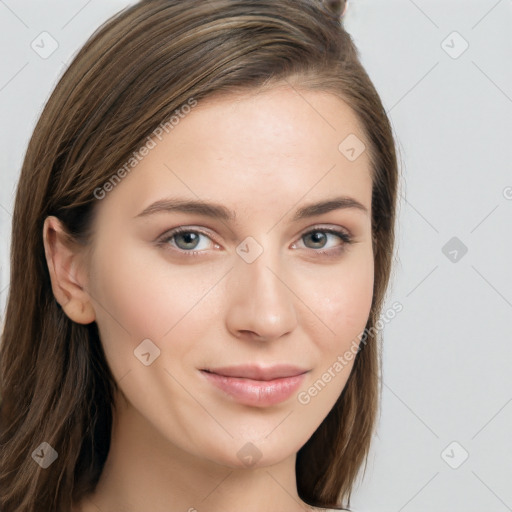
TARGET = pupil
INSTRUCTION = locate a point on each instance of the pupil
(189, 238)
(317, 237)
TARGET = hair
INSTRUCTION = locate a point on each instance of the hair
(135, 71)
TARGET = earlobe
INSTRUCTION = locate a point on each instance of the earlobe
(64, 259)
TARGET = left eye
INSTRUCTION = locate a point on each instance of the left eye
(189, 240)
(320, 236)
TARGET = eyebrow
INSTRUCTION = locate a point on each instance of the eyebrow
(218, 211)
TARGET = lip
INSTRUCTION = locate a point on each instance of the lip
(255, 385)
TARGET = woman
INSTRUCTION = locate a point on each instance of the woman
(202, 240)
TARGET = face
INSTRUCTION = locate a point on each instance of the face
(232, 337)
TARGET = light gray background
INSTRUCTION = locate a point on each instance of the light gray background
(447, 355)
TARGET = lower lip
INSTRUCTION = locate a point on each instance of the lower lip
(258, 393)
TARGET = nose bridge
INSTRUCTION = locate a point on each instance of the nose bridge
(261, 301)
(264, 276)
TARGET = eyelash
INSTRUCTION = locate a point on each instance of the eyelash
(346, 239)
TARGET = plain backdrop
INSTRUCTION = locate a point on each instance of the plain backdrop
(443, 70)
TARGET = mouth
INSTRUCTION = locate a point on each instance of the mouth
(254, 385)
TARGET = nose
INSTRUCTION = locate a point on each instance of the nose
(261, 302)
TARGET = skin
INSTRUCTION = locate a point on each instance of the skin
(175, 436)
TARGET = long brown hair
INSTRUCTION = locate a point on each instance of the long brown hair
(134, 72)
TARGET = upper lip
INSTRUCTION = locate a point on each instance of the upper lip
(256, 372)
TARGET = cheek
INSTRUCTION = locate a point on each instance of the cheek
(344, 304)
(141, 296)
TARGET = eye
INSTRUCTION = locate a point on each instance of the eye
(319, 237)
(186, 241)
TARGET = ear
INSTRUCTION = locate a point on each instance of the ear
(65, 263)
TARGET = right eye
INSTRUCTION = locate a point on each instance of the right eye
(185, 240)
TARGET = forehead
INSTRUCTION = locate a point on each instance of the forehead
(255, 150)
(283, 120)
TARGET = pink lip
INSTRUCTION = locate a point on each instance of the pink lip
(256, 386)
